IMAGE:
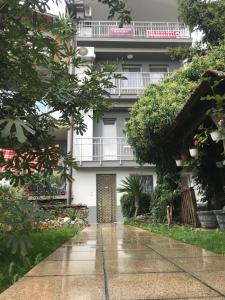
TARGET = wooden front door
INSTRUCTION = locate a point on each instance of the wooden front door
(106, 198)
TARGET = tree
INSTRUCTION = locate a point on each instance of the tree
(154, 113)
(36, 54)
(134, 186)
(207, 16)
(120, 8)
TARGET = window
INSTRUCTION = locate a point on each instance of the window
(157, 73)
(131, 68)
(148, 187)
(88, 11)
(109, 121)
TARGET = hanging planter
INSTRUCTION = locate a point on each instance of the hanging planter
(184, 157)
(219, 164)
(193, 152)
(215, 135)
(179, 162)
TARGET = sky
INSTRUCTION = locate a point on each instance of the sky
(54, 9)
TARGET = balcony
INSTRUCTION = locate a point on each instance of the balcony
(135, 82)
(99, 150)
(133, 31)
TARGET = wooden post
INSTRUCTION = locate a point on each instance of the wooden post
(169, 214)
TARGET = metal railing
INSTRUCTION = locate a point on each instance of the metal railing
(43, 191)
(135, 82)
(100, 149)
(135, 30)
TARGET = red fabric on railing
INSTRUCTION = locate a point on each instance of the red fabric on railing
(8, 154)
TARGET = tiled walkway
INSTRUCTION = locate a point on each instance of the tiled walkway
(117, 262)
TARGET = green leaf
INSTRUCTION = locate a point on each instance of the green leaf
(19, 133)
(7, 129)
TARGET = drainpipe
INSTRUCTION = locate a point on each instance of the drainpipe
(71, 136)
(70, 188)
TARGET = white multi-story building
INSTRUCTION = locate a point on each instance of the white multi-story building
(103, 155)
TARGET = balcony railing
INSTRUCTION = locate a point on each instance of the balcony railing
(135, 30)
(100, 149)
(135, 82)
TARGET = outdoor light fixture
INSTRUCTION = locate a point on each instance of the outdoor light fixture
(130, 56)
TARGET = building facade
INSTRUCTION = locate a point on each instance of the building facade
(140, 51)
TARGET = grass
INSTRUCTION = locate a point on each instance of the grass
(44, 242)
(213, 240)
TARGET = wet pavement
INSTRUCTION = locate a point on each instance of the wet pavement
(116, 262)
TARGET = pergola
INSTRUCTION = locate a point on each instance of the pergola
(198, 111)
(195, 111)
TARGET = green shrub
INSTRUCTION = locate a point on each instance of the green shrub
(38, 184)
(18, 217)
(161, 197)
(127, 204)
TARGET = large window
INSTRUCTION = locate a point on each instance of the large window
(148, 187)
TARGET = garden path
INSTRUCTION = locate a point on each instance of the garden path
(117, 262)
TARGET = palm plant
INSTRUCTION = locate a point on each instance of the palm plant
(133, 185)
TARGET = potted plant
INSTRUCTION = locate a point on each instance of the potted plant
(219, 164)
(194, 150)
(220, 216)
(179, 162)
(215, 135)
(207, 219)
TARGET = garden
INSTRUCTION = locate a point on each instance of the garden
(29, 232)
(178, 125)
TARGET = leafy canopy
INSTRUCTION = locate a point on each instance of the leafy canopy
(35, 82)
(153, 114)
(120, 8)
(208, 16)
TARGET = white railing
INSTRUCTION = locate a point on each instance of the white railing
(135, 82)
(135, 30)
(100, 149)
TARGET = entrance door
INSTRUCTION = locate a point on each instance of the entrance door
(106, 198)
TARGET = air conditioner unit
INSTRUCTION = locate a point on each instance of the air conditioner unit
(86, 52)
(88, 11)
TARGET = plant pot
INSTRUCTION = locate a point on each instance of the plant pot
(179, 163)
(220, 216)
(215, 135)
(193, 152)
(207, 219)
(219, 164)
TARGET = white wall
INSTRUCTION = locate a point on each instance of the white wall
(84, 185)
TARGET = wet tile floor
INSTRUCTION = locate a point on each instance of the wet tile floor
(115, 262)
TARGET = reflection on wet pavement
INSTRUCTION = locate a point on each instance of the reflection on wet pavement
(112, 261)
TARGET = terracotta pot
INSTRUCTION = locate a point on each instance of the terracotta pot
(184, 157)
(207, 219)
(193, 152)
